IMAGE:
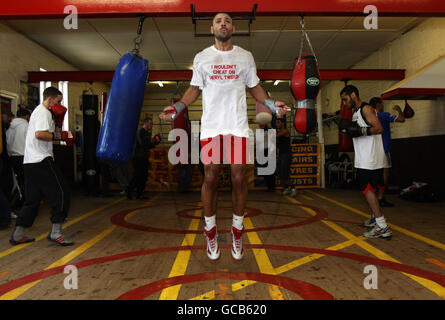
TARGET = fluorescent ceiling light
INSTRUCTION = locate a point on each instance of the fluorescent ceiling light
(41, 69)
(160, 83)
(276, 82)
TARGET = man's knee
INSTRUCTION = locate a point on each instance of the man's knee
(238, 175)
(211, 175)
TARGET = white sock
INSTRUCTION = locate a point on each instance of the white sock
(56, 230)
(18, 234)
(210, 222)
(237, 221)
(381, 222)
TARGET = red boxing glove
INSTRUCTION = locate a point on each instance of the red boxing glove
(58, 112)
(157, 139)
(68, 137)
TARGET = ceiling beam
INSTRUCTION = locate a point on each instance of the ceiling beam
(186, 75)
(38, 9)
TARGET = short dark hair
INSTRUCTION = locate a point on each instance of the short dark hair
(51, 92)
(23, 113)
(147, 119)
(374, 101)
(220, 13)
(349, 89)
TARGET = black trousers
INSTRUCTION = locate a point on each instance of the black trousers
(43, 180)
(17, 166)
(140, 175)
(185, 173)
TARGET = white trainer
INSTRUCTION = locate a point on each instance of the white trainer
(213, 251)
(237, 243)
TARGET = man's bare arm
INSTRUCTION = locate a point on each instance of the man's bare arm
(372, 119)
(190, 96)
(261, 96)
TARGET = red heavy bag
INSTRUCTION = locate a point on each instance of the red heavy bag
(345, 143)
(305, 84)
(408, 112)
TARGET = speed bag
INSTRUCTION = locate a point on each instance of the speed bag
(123, 109)
(408, 112)
(263, 115)
(305, 84)
(345, 143)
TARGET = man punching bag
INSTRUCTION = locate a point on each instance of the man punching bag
(123, 108)
(344, 141)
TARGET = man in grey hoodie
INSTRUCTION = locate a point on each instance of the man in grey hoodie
(15, 138)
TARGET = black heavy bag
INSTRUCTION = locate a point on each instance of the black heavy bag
(90, 106)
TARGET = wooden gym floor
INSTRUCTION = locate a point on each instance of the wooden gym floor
(307, 247)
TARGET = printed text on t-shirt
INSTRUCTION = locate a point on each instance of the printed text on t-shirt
(224, 72)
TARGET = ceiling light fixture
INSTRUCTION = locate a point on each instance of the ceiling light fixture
(160, 83)
(276, 82)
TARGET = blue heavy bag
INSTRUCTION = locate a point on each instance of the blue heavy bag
(123, 109)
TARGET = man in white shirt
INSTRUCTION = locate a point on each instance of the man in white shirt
(42, 178)
(222, 72)
(366, 130)
(15, 137)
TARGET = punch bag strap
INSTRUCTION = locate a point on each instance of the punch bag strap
(304, 35)
(138, 39)
(306, 104)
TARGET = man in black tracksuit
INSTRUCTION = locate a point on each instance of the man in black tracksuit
(144, 142)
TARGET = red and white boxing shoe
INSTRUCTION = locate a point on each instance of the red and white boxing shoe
(213, 251)
(237, 243)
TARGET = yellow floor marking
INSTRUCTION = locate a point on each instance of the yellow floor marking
(69, 223)
(206, 296)
(287, 267)
(262, 260)
(431, 285)
(182, 259)
(394, 227)
(13, 294)
(307, 198)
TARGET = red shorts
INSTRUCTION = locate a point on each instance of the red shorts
(227, 149)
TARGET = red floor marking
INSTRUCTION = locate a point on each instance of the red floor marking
(251, 212)
(119, 219)
(305, 290)
(14, 284)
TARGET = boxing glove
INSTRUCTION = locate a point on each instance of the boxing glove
(66, 136)
(352, 129)
(58, 112)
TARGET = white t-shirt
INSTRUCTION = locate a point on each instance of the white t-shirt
(369, 152)
(36, 150)
(222, 76)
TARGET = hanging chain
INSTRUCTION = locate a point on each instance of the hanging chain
(304, 35)
(138, 39)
